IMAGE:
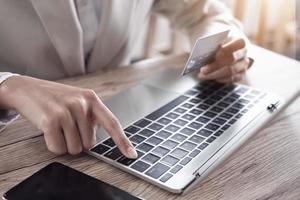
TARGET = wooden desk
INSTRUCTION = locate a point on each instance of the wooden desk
(266, 167)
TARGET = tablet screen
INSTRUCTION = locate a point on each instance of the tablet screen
(57, 182)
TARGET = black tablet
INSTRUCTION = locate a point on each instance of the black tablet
(57, 182)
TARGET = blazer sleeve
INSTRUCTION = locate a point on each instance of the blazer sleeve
(6, 116)
(197, 18)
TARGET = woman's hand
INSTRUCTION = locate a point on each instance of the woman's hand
(231, 63)
(67, 115)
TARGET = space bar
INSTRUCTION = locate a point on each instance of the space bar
(166, 108)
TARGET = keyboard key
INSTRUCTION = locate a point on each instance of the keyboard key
(137, 139)
(165, 178)
(235, 96)
(172, 128)
(208, 92)
(204, 132)
(109, 142)
(164, 121)
(185, 161)
(169, 160)
(179, 153)
(250, 106)
(172, 115)
(239, 115)
(238, 105)
(226, 115)
(188, 117)
(150, 158)
(249, 96)
(145, 147)
(188, 146)
(180, 122)
(202, 96)
(195, 101)
(231, 122)
(211, 139)
(155, 127)
(241, 90)
(196, 111)
(219, 133)
(140, 166)
(127, 161)
(166, 108)
(127, 134)
(255, 92)
(209, 102)
(187, 131)
(170, 144)
(216, 97)
(132, 129)
(146, 132)
(196, 139)
(243, 101)
(203, 146)
(154, 140)
(180, 110)
(187, 105)
(225, 127)
(142, 123)
(209, 114)
(216, 109)
(229, 88)
(157, 170)
(245, 111)
(221, 93)
(100, 149)
(178, 137)
(176, 169)
(216, 86)
(219, 121)
(203, 120)
(160, 151)
(113, 154)
(203, 106)
(195, 125)
(223, 105)
(194, 153)
(232, 110)
(163, 134)
(229, 100)
(212, 127)
(191, 92)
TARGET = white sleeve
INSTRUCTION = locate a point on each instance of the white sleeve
(197, 18)
(6, 116)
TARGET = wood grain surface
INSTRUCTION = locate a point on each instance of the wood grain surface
(267, 167)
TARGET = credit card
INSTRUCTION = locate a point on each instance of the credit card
(204, 51)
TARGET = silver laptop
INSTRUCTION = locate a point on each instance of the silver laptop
(183, 129)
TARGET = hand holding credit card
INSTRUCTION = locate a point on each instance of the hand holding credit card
(204, 51)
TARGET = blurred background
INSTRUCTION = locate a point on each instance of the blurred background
(271, 24)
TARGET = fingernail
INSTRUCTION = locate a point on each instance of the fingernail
(201, 76)
(204, 70)
(131, 153)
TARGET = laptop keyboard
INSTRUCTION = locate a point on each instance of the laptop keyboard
(172, 136)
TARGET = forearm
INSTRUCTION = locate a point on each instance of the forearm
(7, 112)
(199, 17)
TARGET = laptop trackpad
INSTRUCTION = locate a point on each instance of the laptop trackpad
(135, 103)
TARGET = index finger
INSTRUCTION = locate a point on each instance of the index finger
(234, 45)
(110, 123)
(231, 52)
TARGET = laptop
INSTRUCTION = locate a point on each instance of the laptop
(183, 129)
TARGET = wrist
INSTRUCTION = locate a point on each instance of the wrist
(8, 91)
